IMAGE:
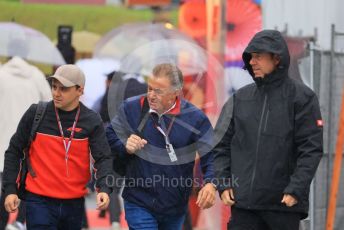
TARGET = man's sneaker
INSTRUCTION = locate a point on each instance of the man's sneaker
(115, 226)
(16, 226)
(102, 214)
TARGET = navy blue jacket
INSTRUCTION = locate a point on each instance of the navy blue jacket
(152, 181)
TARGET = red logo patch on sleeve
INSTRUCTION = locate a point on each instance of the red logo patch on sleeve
(78, 130)
(320, 123)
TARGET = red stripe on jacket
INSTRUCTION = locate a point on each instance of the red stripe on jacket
(47, 156)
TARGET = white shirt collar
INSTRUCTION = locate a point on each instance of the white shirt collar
(172, 107)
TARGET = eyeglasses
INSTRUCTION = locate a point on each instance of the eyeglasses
(160, 92)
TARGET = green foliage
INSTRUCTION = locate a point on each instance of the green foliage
(46, 17)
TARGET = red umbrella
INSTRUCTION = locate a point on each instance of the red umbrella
(192, 18)
(244, 19)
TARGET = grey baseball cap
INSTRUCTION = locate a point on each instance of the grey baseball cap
(69, 75)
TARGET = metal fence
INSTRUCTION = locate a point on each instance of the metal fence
(323, 71)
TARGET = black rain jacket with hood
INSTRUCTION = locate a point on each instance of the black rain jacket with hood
(274, 140)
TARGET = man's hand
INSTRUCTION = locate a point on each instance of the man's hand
(134, 143)
(206, 196)
(103, 201)
(289, 200)
(12, 203)
(227, 197)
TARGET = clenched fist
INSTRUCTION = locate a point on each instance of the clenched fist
(134, 144)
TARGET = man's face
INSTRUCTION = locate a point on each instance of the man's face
(65, 98)
(263, 63)
(161, 95)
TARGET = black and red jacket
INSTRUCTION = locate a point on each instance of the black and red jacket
(55, 177)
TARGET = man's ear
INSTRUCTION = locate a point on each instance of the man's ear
(277, 59)
(81, 90)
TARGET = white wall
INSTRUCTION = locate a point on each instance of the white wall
(305, 15)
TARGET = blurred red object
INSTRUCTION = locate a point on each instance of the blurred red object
(192, 18)
(244, 19)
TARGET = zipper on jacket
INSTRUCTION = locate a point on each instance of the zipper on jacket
(266, 119)
(257, 146)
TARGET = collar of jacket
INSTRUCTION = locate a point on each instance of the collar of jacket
(273, 79)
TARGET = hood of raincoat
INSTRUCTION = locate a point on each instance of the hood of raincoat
(268, 41)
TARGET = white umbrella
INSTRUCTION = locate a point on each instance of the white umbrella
(188, 56)
(122, 40)
(25, 42)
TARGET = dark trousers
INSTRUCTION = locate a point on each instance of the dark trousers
(21, 212)
(3, 213)
(242, 219)
(115, 207)
(43, 213)
(187, 225)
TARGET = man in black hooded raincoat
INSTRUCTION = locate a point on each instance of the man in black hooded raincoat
(268, 155)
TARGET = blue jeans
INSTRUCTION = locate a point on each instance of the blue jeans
(140, 218)
(44, 213)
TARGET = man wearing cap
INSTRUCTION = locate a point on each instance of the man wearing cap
(59, 156)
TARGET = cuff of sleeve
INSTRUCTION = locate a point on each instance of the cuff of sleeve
(10, 189)
(104, 189)
(290, 191)
(210, 180)
(222, 188)
(123, 152)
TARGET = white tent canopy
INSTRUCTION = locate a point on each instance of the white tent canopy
(304, 16)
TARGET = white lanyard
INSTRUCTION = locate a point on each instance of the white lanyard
(169, 146)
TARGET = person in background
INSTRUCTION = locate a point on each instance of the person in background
(22, 84)
(124, 86)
